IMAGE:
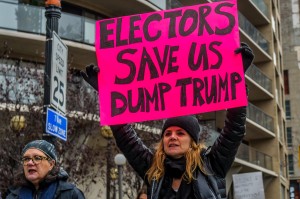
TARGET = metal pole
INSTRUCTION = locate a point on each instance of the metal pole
(108, 167)
(120, 181)
(120, 160)
(52, 14)
(115, 190)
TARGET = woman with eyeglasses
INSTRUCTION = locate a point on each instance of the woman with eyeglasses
(41, 177)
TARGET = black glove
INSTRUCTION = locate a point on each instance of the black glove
(247, 55)
(90, 75)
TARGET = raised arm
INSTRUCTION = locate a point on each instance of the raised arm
(222, 154)
(137, 154)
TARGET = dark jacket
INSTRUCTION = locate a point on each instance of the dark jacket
(217, 158)
(65, 190)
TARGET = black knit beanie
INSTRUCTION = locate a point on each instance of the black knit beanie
(188, 123)
(47, 148)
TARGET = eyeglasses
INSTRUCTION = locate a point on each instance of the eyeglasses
(35, 159)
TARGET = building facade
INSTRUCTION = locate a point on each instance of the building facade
(23, 27)
(291, 58)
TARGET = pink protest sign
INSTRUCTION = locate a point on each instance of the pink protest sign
(169, 63)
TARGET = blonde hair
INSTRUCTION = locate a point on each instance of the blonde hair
(193, 161)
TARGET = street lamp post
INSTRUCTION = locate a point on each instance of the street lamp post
(113, 176)
(107, 134)
(120, 160)
(52, 14)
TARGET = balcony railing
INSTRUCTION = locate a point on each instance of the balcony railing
(250, 29)
(259, 117)
(27, 18)
(255, 73)
(254, 156)
(165, 4)
(261, 5)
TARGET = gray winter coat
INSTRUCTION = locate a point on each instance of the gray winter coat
(217, 158)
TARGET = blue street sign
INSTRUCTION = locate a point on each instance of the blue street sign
(56, 124)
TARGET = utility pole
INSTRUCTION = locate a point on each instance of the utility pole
(52, 14)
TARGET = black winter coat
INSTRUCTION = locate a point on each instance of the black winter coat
(217, 159)
(65, 190)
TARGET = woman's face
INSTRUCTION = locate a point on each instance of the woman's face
(143, 196)
(36, 170)
(176, 141)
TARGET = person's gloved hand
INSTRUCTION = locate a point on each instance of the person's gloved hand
(90, 75)
(247, 55)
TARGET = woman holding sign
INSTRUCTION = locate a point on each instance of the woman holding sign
(182, 167)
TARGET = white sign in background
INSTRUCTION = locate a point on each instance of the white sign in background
(248, 186)
(59, 62)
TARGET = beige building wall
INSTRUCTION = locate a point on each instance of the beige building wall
(291, 59)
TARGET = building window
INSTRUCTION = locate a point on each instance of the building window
(77, 10)
(32, 2)
(286, 82)
(291, 164)
(289, 136)
(288, 109)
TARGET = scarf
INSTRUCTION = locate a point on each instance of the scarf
(47, 192)
(175, 168)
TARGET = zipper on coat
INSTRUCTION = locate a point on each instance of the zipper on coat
(152, 189)
(212, 192)
(210, 189)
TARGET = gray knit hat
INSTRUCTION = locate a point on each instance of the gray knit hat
(188, 123)
(47, 148)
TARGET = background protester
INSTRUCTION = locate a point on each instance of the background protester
(40, 176)
(142, 194)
